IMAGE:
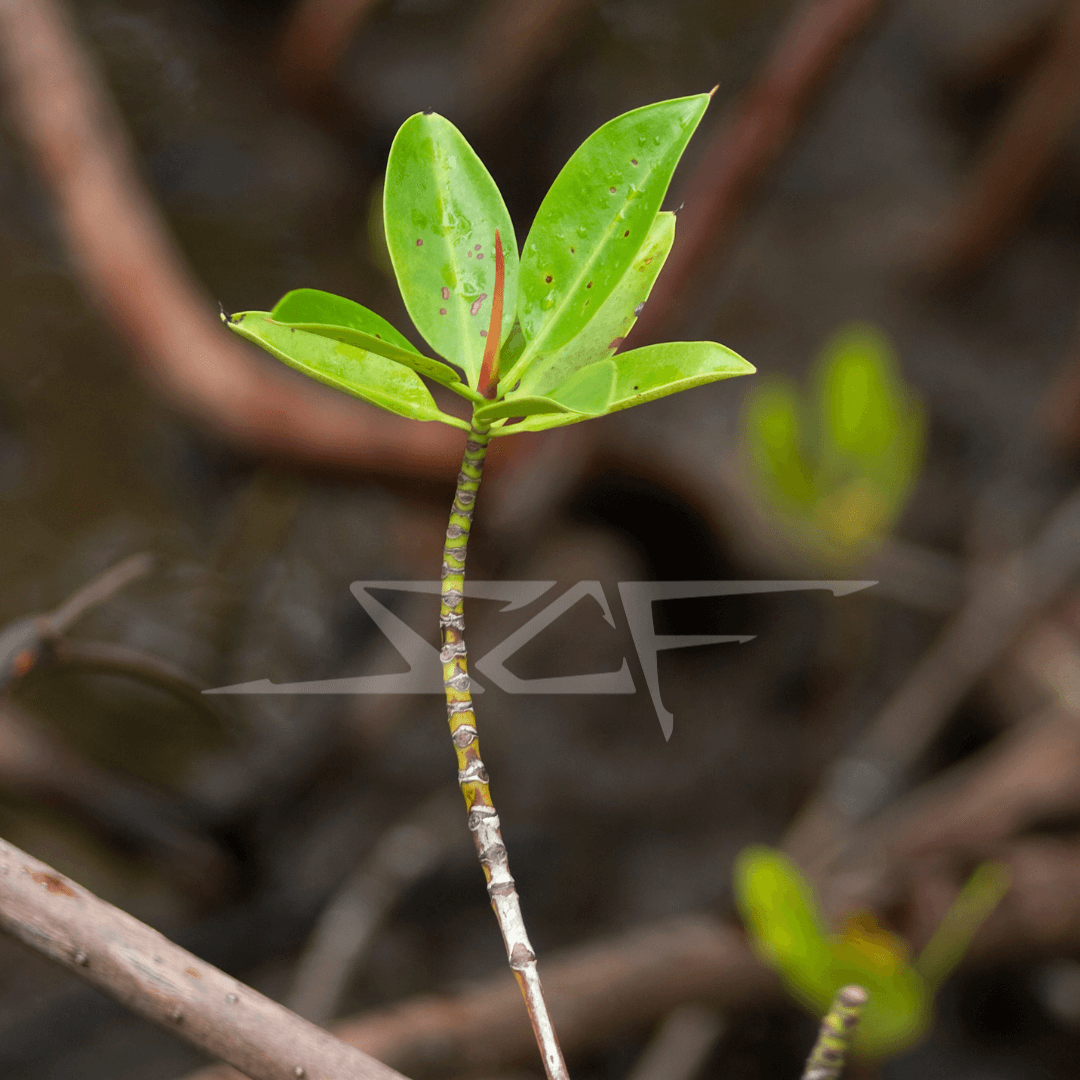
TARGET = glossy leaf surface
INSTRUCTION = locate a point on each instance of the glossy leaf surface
(363, 374)
(596, 217)
(344, 320)
(585, 394)
(604, 334)
(652, 372)
(441, 211)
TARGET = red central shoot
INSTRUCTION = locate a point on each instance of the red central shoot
(489, 368)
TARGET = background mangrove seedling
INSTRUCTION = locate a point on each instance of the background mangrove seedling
(836, 465)
(789, 933)
(527, 340)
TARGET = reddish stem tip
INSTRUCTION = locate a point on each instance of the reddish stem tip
(489, 368)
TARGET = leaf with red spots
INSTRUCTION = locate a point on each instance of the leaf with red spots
(579, 237)
(613, 319)
(441, 210)
(344, 320)
(375, 379)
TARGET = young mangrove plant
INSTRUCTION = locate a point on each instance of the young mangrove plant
(529, 340)
(788, 932)
(835, 466)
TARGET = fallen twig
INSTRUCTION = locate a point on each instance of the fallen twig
(757, 132)
(23, 642)
(627, 982)
(129, 265)
(162, 982)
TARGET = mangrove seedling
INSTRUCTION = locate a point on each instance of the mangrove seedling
(835, 466)
(529, 340)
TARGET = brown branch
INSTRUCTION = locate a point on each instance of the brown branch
(628, 982)
(752, 139)
(112, 659)
(597, 990)
(161, 982)
(106, 585)
(130, 267)
(1009, 177)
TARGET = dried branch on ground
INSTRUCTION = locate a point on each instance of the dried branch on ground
(162, 982)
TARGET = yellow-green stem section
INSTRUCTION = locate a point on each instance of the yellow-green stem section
(471, 772)
(826, 1060)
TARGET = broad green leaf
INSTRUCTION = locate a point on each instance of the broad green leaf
(365, 375)
(652, 372)
(441, 210)
(595, 219)
(862, 401)
(344, 320)
(604, 334)
(589, 390)
(586, 393)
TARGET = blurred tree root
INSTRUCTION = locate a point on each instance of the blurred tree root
(129, 266)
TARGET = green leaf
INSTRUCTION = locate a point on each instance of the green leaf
(365, 375)
(652, 372)
(522, 406)
(441, 210)
(785, 926)
(774, 440)
(344, 320)
(604, 334)
(595, 219)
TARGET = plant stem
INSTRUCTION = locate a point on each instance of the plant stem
(472, 776)
(826, 1060)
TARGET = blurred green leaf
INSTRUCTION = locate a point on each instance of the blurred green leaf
(838, 466)
(786, 928)
(441, 210)
(365, 375)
